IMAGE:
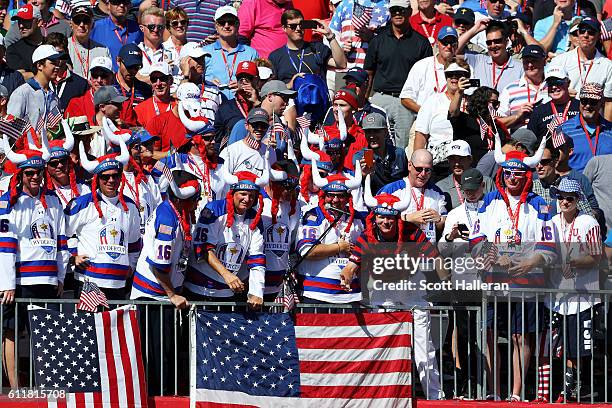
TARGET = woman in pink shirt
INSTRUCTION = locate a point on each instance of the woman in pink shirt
(260, 22)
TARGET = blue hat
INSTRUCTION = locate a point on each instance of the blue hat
(447, 31)
(141, 136)
(592, 23)
(567, 185)
(465, 15)
(131, 55)
(360, 75)
(533, 51)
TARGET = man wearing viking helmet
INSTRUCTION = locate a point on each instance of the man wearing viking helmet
(33, 249)
(107, 224)
(519, 223)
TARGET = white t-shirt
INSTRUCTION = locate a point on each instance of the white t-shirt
(433, 120)
(600, 71)
(421, 81)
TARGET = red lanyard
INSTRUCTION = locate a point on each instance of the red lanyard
(419, 205)
(144, 54)
(157, 107)
(588, 135)
(135, 190)
(84, 66)
(185, 226)
(121, 40)
(230, 71)
(568, 240)
(503, 68)
(205, 174)
(458, 188)
(514, 217)
(583, 81)
(437, 87)
(535, 98)
(240, 107)
(202, 90)
(123, 91)
(556, 114)
(61, 195)
(430, 36)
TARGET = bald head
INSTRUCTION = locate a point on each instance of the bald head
(421, 157)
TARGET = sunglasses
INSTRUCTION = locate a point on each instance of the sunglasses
(420, 170)
(494, 103)
(224, 22)
(293, 26)
(98, 74)
(260, 126)
(119, 2)
(556, 82)
(546, 162)
(589, 101)
(495, 41)
(32, 173)
(244, 78)
(447, 43)
(497, 1)
(568, 198)
(398, 10)
(514, 173)
(55, 163)
(155, 27)
(583, 31)
(457, 75)
(179, 23)
(162, 78)
(106, 177)
(79, 19)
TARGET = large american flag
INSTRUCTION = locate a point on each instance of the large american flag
(96, 358)
(323, 360)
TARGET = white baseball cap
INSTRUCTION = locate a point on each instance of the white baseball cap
(264, 73)
(399, 3)
(104, 63)
(555, 72)
(459, 148)
(188, 91)
(45, 51)
(223, 10)
(193, 50)
(161, 67)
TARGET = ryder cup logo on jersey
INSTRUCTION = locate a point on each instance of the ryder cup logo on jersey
(112, 242)
(277, 239)
(43, 235)
(230, 255)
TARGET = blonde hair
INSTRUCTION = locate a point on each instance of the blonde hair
(152, 11)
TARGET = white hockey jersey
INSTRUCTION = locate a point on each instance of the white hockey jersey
(322, 276)
(278, 241)
(240, 157)
(162, 248)
(148, 193)
(240, 250)
(112, 242)
(33, 247)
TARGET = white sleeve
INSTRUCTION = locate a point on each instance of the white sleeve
(412, 84)
(504, 102)
(8, 251)
(423, 120)
(134, 240)
(256, 261)
(63, 254)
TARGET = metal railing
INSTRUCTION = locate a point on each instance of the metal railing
(450, 325)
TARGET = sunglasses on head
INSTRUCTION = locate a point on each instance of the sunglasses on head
(568, 198)
(32, 173)
(583, 31)
(179, 23)
(106, 177)
(57, 162)
(80, 19)
(419, 170)
(155, 27)
(495, 41)
(514, 173)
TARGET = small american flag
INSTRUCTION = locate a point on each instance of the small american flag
(486, 133)
(558, 138)
(91, 297)
(51, 120)
(165, 170)
(606, 30)
(327, 360)
(95, 357)
(287, 295)
(361, 16)
(304, 121)
(14, 127)
(489, 255)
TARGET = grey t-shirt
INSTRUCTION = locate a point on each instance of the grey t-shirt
(599, 172)
(29, 101)
(82, 57)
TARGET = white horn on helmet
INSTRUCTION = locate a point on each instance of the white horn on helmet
(342, 126)
(316, 177)
(307, 154)
(46, 150)
(191, 125)
(402, 205)
(31, 143)
(227, 177)
(16, 158)
(110, 135)
(533, 161)
(312, 137)
(87, 164)
(181, 193)
(500, 157)
(368, 198)
(69, 142)
(354, 182)
(124, 156)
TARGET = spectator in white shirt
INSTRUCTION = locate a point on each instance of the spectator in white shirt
(153, 25)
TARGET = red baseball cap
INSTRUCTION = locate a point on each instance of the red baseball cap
(247, 67)
(27, 12)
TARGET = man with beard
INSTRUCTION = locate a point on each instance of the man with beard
(161, 82)
(590, 132)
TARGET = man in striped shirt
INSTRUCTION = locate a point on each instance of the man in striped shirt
(518, 98)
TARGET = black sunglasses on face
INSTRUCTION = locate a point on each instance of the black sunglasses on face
(419, 170)
(155, 78)
(179, 23)
(294, 26)
(568, 198)
(546, 162)
(457, 75)
(32, 173)
(397, 10)
(583, 31)
(120, 2)
(55, 163)
(495, 41)
(556, 82)
(260, 126)
(106, 177)
(98, 74)
(208, 137)
(494, 103)
(496, 1)
(589, 101)
(230, 21)
(80, 19)
(155, 27)
(446, 43)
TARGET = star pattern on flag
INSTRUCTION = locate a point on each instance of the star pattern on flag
(65, 351)
(251, 353)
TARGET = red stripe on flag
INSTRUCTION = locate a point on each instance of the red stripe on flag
(356, 319)
(110, 361)
(202, 404)
(79, 399)
(141, 372)
(343, 343)
(361, 392)
(125, 360)
(350, 367)
(97, 399)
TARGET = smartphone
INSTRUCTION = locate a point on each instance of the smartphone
(309, 24)
(368, 155)
(474, 83)
(463, 229)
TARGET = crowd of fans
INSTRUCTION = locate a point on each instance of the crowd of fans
(189, 150)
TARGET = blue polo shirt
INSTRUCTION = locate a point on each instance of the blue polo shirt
(218, 69)
(561, 40)
(106, 32)
(582, 148)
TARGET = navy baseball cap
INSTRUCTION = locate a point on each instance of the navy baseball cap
(464, 15)
(360, 75)
(533, 51)
(131, 55)
(447, 31)
(591, 23)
